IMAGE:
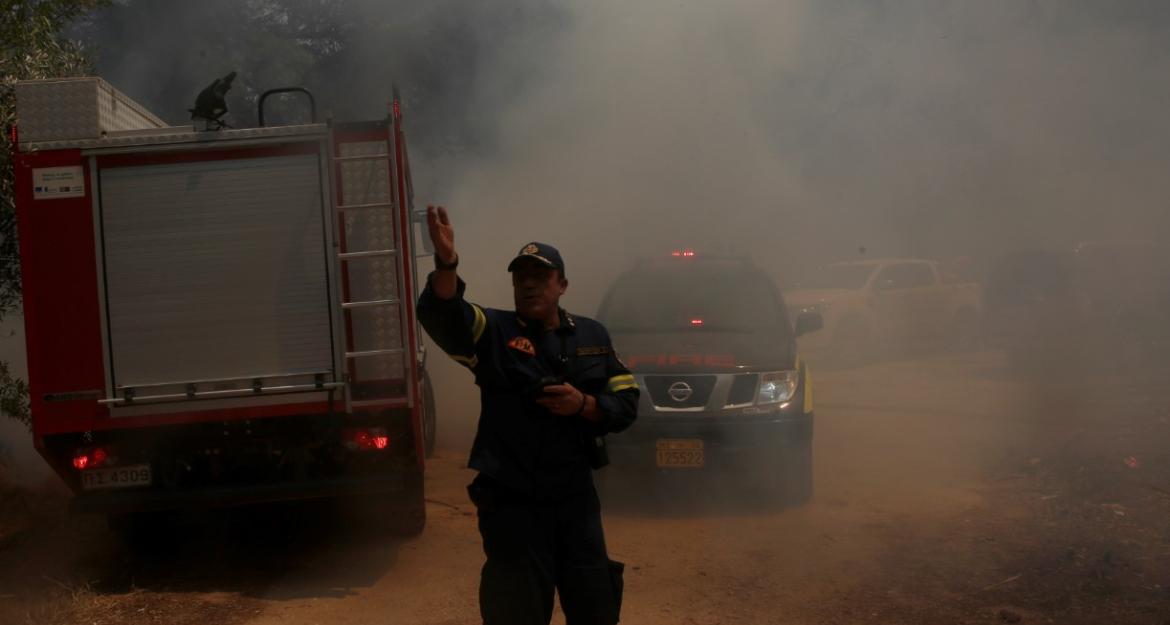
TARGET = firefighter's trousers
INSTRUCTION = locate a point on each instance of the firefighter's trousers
(535, 548)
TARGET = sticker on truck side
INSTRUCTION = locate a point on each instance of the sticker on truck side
(51, 183)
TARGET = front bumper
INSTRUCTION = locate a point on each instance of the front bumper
(731, 445)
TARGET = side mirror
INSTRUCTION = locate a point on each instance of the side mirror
(808, 321)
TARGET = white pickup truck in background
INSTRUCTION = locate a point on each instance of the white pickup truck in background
(883, 304)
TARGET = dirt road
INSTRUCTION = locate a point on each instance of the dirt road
(946, 491)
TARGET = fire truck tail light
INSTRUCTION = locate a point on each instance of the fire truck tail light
(90, 458)
(696, 322)
(365, 439)
(683, 253)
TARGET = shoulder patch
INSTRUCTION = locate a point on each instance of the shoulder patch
(523, 345)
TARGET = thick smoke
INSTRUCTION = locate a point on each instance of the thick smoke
(800, 131)
(348, 53)
(796, 131)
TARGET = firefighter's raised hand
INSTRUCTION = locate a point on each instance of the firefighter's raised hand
(442, 234)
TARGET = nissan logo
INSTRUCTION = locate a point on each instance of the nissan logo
(680, 391)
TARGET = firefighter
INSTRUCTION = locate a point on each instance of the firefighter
(550, 386)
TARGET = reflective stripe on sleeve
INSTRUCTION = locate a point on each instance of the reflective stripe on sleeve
(479, 325)
(466, 361)
(621, 383)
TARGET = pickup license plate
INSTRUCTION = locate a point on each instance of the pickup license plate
(680, 453)
(116, 477)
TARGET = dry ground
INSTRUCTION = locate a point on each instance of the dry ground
(948, 491)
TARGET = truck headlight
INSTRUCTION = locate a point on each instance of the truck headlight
(777, 386)
(821, 308)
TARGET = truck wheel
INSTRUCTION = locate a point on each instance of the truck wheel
(791, 482)
(405, 513)
(797, 477)
(429, 416)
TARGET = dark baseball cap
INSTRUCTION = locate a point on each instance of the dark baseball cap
(542, 253)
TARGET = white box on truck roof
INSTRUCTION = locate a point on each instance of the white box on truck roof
(76, 108)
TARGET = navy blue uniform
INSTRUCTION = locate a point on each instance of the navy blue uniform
(538, 511)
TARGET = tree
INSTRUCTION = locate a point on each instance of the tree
(33, 47)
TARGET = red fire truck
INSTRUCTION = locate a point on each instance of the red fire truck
(224, 317)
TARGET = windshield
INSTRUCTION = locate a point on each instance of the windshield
(851, 276)
(720, 299)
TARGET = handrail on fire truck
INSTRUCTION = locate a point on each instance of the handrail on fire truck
(264, 96)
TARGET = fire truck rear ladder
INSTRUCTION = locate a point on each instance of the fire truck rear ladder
(344, 256)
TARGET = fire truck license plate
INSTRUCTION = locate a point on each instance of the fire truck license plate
(116, 477)
(680, 453)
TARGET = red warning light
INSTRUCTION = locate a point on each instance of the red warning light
(366, 439)
(688, 253)
(696, 322)
(90, 458)
(676, 253)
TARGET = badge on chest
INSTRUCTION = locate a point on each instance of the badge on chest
(522, 345)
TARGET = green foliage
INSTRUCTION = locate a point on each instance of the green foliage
(33, 47)
(13, 396)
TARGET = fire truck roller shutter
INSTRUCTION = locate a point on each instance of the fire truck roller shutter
(216, 269)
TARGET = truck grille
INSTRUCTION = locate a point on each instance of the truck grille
(680, 391)
(743, 389)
